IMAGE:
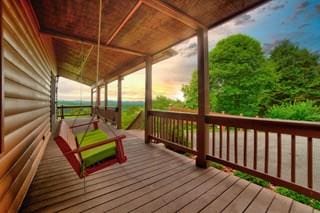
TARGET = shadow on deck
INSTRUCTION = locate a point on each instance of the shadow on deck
(153, 179)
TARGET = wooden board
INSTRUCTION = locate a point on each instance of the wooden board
(27, 65)
(169, 182)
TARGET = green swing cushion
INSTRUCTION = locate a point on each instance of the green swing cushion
(97, 154)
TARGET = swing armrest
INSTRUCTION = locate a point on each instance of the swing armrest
(116, 139)
(95, 124)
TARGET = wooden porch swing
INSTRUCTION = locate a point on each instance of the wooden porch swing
(96, 151)
(90, 151)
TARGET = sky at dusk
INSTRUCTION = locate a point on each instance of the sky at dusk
(296, 20)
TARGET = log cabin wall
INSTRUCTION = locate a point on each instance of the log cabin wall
(28, 62)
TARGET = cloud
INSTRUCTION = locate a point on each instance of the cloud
(244, 19)
(188, 50)
(72, 90)
(300, 9)
(276, 7)
(303, 26)
(303, 5)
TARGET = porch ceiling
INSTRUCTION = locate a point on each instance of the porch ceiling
(130, 30)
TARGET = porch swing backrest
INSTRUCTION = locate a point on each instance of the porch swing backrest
(67, 143)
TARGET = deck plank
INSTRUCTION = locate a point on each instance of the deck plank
(299, 207)
(262, 201)
(78, 196)
(227, 197)
(178, 178)
(280, 204)
(211, 195)
(243, 200)
(153, 179)
(179, 198)
(199, 175)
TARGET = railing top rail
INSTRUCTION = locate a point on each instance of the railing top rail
(70, 106)
(174, 115)
(300, 128)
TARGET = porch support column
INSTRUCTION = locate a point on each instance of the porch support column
(203, 98)
(105, 101)
(148, 99)
(119, 126)
(98, 97)
(91, 101)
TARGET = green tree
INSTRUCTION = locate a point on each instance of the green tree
(240, 77)
(299, 74)
(190, 92)
(163, 103)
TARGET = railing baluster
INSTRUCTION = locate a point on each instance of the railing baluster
(266, 152)
(165, 127)
(155, 126)
(228, 143)
(175, 130)
(245, 137)
(255, 148)
(221, 138)
(236, 145)
(293, 158)
(192, 135)
(310, 162)
(178, 132)
(213, 140)
(182, 133)
(151, 125)
(279, 154)
(187, 133)
(160, 127)
(170, 130)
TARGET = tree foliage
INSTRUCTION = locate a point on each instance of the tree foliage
(299, 73)
(163, 103)
(306, 111)
(240, 77)
(245, 80)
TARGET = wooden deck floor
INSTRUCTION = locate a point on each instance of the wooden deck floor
(153, 180)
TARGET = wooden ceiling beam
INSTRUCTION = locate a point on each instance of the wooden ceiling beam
(124, 22)
(73, 38)
(174, 13)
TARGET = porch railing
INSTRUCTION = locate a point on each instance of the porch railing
(71, 111)
(176, 130)
(286, 153)
(109, 114)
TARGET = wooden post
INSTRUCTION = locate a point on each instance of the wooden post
(105, 101)
(119, 120)
(148, 98)
(1, 88)
(98, 96)
(62, 112)
(203, 98)
(91, 101)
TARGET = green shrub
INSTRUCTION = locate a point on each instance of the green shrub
(216, 165)
(298, 197)
(306, 111)
(129, 114)
(252, 179)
